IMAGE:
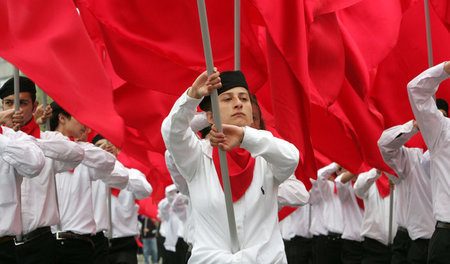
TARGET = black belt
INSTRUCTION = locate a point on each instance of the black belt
(334, 236)
(402, 229)
(71, 235)
(32, 235)
(6, 239)
(440, 224)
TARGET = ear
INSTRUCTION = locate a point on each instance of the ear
(35, 105)
(62, 119)
(209, 117)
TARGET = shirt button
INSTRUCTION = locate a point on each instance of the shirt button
(238, 227)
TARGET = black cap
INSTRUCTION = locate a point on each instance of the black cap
(442, 104)
(26, 85)
(97, 138)
(229, 79)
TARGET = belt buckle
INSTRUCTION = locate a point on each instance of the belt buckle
(58, 237)
(17, 242)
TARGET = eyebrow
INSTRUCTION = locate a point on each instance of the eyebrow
(230, 93)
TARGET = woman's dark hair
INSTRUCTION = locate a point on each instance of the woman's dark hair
(54, 119)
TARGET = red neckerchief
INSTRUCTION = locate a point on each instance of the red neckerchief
(240, 165)
(115, 192)
(383, 185)
(32, 129)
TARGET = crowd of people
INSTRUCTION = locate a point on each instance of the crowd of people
(66, 200)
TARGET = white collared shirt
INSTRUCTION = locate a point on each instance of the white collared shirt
(124, 209)
(375, 223)
(292, 192)
(352, 213)
(296, 224)
(39, 207)
(413, 185)
(435, 129)
(100, 192)
(75, 192)
(333, 207)
(317, 226)
(255, 212)
(20, 157)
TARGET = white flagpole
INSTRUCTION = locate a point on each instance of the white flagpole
(44, 105)
(237, 35)
(16, 88)
(428, 29)
(391, 213)
(218, 122)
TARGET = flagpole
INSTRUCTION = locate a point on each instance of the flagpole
(428, 29)
(391, 213)
(237, 35)
(218, 122)
(44, 106)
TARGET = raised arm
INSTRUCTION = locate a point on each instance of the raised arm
(280, 154)
(99, 162)
(292, 192)
(343, 185)
(420, 91)
(119, 177)
(177, 178)
(138, 184)
(365, 181)
(392, 150)
(322, 179)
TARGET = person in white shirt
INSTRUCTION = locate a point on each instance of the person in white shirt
(317, 225)
(77, 224)
(39, 206)
(125, 223)
(435, 129)
(255, 203)
(352, 210)
(413, 191)
(20, 158)
(100, 192)
(375, 223)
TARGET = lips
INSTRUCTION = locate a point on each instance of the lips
(238, 114)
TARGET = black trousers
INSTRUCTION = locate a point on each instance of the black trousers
(418, 252)
(74, 251)
(319, 244)
(351, 251)
(41, 250)
(400, 247)
(375, 252)
(439, 248)
(333, 248)
(298, 250)
(180, 254)
(7, 252)
(123, 251)
(100, 248)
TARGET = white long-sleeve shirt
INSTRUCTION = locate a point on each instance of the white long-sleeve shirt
(75, 191)
(255, 212)
(317, 226)
(435, 129)
(413, 185)
(39, 207)
(292, 192)
(124, 209)
(375, 222)
(352, 213)
(296, 224)
(100, 192)
(20, 157)
(333, 207)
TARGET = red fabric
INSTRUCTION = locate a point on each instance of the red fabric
(32, 128)
(285, 211)
(115, 192)
(240, 169)
(383, 185)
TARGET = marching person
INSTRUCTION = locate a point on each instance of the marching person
(435, 129)
(77, 224)
(272, 161)
(20, 158)
(39, 201)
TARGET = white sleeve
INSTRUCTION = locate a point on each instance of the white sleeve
(163, 209)
(99, 162)
(364, 182)
(118, 178)
(343, 188)
(21, 152)
(292, 192)
(392, 150)
(138, 184)
(323, 182)
(179, 137)
(177, 178)
(420, 91)
(280, 154)
(66, 154)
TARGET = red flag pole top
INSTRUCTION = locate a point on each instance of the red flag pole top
(218, 122)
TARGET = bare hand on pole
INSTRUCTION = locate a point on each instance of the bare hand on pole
(18, 119)
(230, 138)
(204, 85)
(41, 116)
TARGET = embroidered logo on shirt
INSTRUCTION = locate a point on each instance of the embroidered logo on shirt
(262, 190)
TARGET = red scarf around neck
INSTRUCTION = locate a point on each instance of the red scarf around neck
(383, 185)
(32, 129)
(240, 166)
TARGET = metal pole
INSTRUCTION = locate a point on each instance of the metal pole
(217, 121)
(237, 35)
(428, 29)
(391, 214)
(16, 108)
(44, 105)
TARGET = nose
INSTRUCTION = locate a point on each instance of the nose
(238, 103)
